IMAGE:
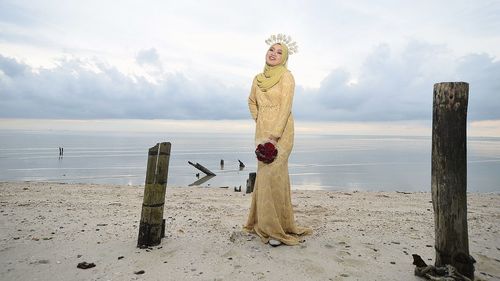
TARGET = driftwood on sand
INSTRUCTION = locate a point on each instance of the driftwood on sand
(443, 273)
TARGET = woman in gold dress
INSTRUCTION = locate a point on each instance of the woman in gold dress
(270, 103)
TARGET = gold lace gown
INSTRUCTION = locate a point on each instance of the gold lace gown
(271, 214)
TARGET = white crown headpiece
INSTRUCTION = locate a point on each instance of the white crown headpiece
(283, 39)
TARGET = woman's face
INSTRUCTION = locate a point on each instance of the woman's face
(274, 55)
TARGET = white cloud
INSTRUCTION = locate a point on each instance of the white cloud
(391, 86)
(149, 56)
(225, 38)
(398, 86)
(359, 60)
(72, 90)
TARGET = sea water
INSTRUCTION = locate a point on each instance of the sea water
(328, 162)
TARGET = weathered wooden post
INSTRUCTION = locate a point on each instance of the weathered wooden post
(449, 176)
(251, 182)
(152, 225)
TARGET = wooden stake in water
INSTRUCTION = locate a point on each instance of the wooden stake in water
(449, 176)
(152, 225)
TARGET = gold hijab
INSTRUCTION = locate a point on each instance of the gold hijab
(272, 74)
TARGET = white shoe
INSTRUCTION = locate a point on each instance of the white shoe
(274, 243)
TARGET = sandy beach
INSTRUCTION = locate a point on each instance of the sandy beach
(48, 228)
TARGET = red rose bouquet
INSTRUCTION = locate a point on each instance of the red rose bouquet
(266, 152)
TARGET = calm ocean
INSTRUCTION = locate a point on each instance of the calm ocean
(381, 163)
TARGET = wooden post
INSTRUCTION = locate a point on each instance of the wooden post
(251, 182)
(152, 225)
(449, 176)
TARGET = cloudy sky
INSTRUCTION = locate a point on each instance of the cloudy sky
(358, 60)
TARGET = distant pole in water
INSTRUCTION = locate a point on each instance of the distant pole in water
(152, 225)
(222, 164)
(449, 176)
